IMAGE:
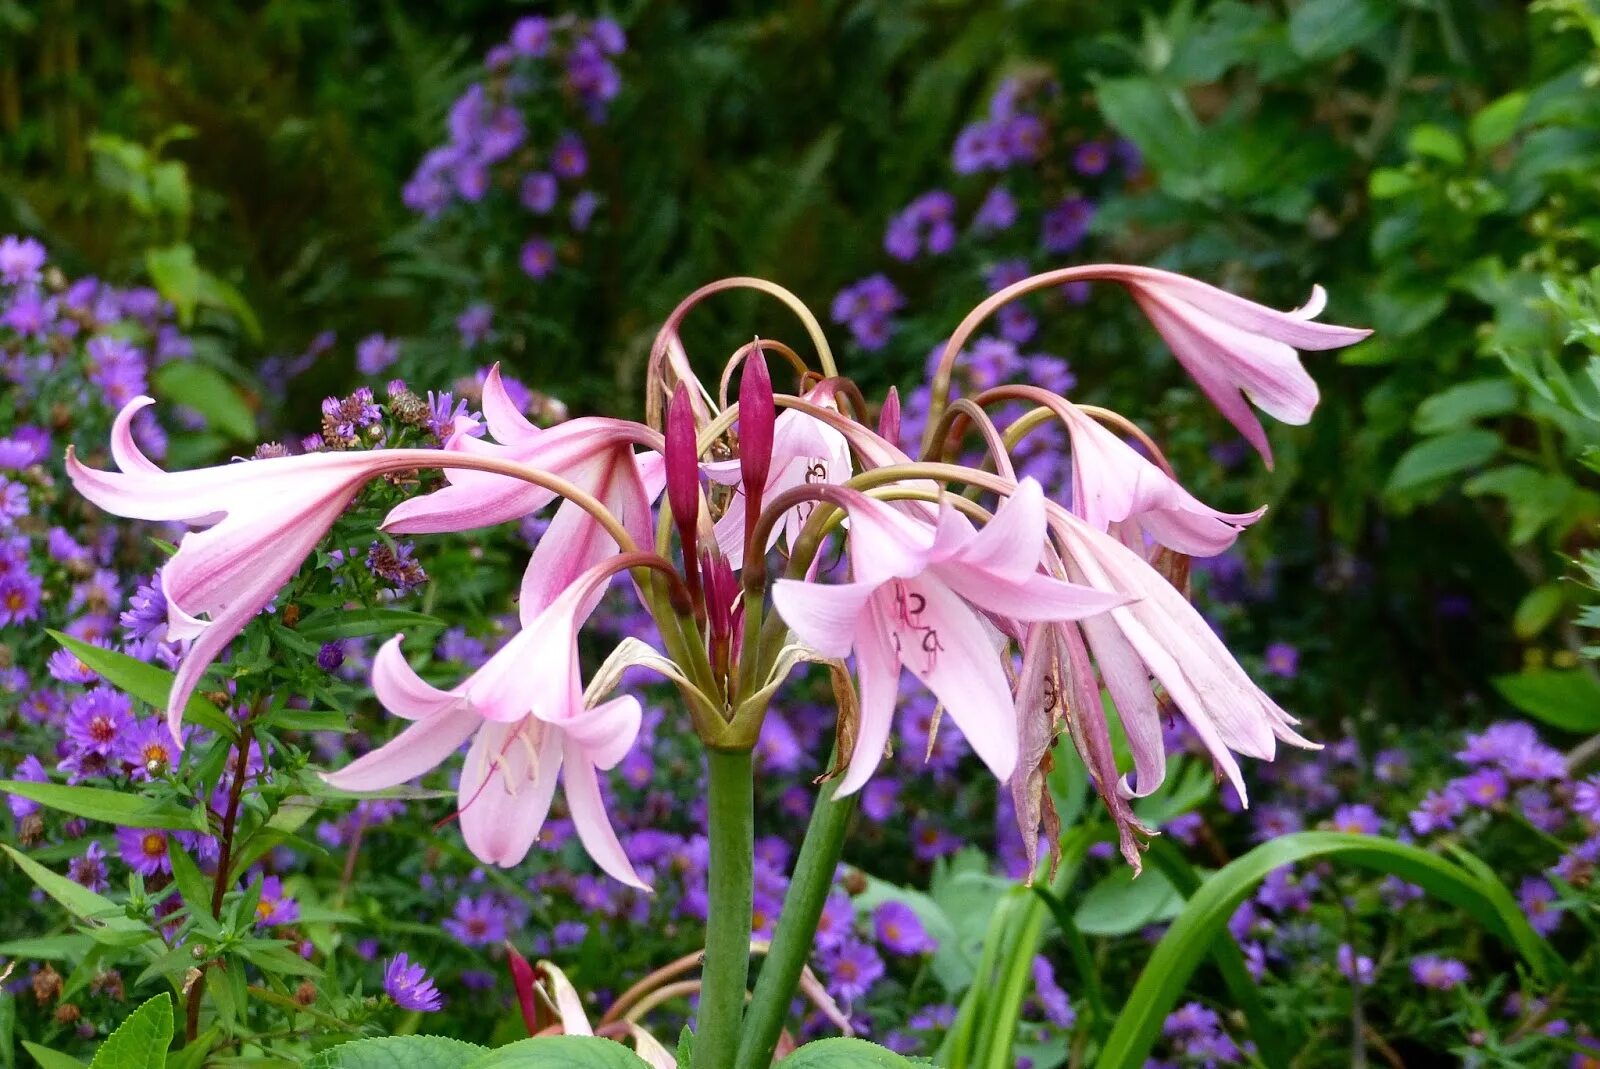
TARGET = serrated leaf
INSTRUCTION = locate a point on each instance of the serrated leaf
(141, 1041)
(559, 1052)
(841, 1053)
(397, 1052)
(146, 682)
(207, 391)
(113, 807)
(1568, 699)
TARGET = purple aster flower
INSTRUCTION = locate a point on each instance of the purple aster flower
(935, 1018)
(851, 968)
(1022, 139)
(474, 324)
(20, 259)
(146, 614)
(1067, 224)
(900, 930)
(878, 797)
(1091, 158)
(89, 868)
(408, 984)
(1437, 811)
(99, 720)
(530, 36)
(1282, 659)
(1482, 789)
(538, 258)
(583, 209)
(149, 747)
(568, 934)
(1586, 799)
(274, 907)
(837, 921)
(608, 36)
(1052, 999)
(13, 502)
(978, 147)
(330, 657)
(29, 770)
(1538, 900)
(998, 211)
(1272, 821)
(1190, 1019)
(1391, 766)
(375, 353)
(1498, 741)
(930, 841)
(1436, 973)
(144, 850)
(396, 564)
(1356, 820)
(539, 191)
(1357, 968)
(65, 666)
(480, 921)
(568, 157)
(28, 314)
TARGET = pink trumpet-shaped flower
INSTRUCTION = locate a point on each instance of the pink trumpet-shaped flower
(1161, 635)
(804, 450)
(263, 519)
(913, 603)
(525, 711)
(585, 451)
(1231, 346)
(1116, 489)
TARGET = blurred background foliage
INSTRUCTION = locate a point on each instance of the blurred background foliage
(1432, 163)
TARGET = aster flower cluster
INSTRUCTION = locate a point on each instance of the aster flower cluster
(1026, 187)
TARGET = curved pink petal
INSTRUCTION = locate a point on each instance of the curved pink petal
(591, 822)
(420, 748)
(606, 732)
(506, 421)
(506, 787)
(1008, 547)
(401, 691)
(878, 680)
(824, 615)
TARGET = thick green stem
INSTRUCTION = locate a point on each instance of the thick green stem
(727, 970)
(797, 928)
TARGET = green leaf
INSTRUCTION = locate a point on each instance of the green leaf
(1537, 609)
(1437, 142)
(559, 1052)
(176, 274)
(1205, 917)
(397, 1052)
(141, 1041)
(78, 900)
(1494, 125)
(1387, 183)
(844, 1054)
(1121, 903)
(1460, 405)
(207, 391)
(1320, 29)
(1568, 699)
(146, 682)
(1439, 458)
(1159, 122)
(50, 1059)
(340, 623)
(113, 807)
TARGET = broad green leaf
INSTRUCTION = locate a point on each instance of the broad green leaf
(335, 624)
(1434, 459)
(78, 900)
(146, 682)
(141, 1041)
(1537, 609)
(1121, 903)
(1158, 120)
(46, 1058)
(176, 274)
(1494, 125)
(1568, 699)
(1387, 183)
(1205, 917)
(1437, 142)
(1321, 29)
(559, 1052)
(207, 391)
(845, 1054)
(397, 1052)
(1460, 405)
(113, 807)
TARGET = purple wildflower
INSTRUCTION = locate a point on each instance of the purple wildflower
(89, 868)
(144, 850)
(1356, 820)
(1282, 659)
(1436, 973)
(852, 968)
(409, 985)
(20, 259)
(900, 930)
(375, 353)
(480, 921)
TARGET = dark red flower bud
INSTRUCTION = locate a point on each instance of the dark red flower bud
(756, 416)
(523, 978)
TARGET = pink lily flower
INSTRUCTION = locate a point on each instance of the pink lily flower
(1116, 489)
(263, 518)
(804, 450)
(1162, 636)
(1236, 349)
(916, 601)
(525, 712)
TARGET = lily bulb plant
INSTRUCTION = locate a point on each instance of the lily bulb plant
(1014, 610)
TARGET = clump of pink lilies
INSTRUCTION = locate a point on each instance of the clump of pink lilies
(953, 571)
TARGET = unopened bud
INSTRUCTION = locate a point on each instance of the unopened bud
(756, 417)
(523, 979)
(889, 417)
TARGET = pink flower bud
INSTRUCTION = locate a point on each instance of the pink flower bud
(683, 464)
(522, 979)
(889, 417)
(756, 417)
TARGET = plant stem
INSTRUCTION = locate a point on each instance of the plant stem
(219, 887)
(731, 815)
(797, 928)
